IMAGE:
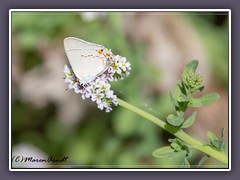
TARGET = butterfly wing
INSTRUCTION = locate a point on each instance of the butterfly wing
(84, 58)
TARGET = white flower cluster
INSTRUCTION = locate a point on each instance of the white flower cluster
(99, 90)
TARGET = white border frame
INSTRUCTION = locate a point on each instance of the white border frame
(119, 10)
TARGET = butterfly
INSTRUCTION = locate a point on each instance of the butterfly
(88, 60)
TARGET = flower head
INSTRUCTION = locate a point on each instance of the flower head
(99, 90)
(194, 80)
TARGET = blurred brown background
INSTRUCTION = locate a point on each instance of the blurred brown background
(49, 121)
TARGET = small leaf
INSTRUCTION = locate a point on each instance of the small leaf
(179, 89)
(176, 146)
(181, 85)
(212, 136)
(172, 140)
(176, 140)
(222, 147)
(222, 132)
(187, 149)
(173, 100)
(185, 164)
(221, 144)
(177, 154)
(189, 121)
(174, 120)
(203, 160)
(216, 143)
(163, 152)
(183, 98)
(190, 67)
(201, 88)
(179, 97)
(205, 100)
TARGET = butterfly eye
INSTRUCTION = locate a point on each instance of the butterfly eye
(100, 51)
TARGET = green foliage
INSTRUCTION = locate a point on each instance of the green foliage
(177, 149)
(182, 96)
(164, 152)
(175, 120)
(216, 143)
(189, 121)
(205, 100)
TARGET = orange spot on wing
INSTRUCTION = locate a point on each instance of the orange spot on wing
(100, 51)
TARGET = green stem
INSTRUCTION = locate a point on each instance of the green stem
(177, 132)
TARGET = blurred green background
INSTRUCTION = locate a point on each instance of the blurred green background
(49, 121)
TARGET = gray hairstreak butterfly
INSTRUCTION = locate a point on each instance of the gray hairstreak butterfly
(88, 60)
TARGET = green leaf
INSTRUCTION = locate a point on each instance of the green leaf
(201, 88)
(175, 120)
(222, 132)
(205, 100)
(183, 98)
(181, 85)
(173, 100)
(190, 67)
(212, 136)
(177, 154)
(179, 89)
(216, 143)
(176, 146)
(187, 149)
(221, 144)
(203, 160)
(185, 164)
(179, 97)
(189, 121)
(163, 152)
(176, 93)
(176, 140)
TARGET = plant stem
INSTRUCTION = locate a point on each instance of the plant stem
(177, 132)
